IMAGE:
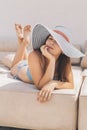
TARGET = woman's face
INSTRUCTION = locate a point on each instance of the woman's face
(53, 47)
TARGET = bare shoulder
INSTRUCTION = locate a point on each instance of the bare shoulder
(36, 56)
(32, 53)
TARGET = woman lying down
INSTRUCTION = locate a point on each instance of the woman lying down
(48, 64)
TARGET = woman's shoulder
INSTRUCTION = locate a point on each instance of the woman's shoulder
(35, 54)
(36, 57)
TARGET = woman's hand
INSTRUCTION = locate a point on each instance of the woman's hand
(44, 50)
(46, 92)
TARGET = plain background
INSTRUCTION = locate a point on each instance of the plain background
(70, 13)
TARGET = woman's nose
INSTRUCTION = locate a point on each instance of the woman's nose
(49, 43)
(52, 42)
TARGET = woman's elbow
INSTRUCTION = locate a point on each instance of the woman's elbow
(38, 86)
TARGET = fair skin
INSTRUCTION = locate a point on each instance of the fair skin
(42, 65)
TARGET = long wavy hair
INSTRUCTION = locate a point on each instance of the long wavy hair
(63, 62)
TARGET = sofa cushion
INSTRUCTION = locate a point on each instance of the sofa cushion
(6, 58)
(82, 120)
(8, 44)
(84, 59)
(84, 73)
(20, 108)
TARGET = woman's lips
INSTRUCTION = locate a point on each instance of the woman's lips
(49, 47)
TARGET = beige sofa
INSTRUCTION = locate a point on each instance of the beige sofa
(82, 120)
(19, 107)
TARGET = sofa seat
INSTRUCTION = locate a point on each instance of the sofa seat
(20, 108)
(82, 120)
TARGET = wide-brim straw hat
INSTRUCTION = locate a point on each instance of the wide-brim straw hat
(62, 36)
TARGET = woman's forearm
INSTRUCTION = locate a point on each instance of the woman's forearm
(48, 75)
(63, 85)
(60, 85)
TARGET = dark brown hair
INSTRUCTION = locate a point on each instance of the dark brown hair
(63, 62)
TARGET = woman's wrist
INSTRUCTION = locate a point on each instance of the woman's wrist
(52, 60)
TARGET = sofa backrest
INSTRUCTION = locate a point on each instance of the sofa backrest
(8, 45)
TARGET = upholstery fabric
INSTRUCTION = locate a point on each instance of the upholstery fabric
(82, 119)
(6, 58)
(20, 108)
(8, 44)
(84, 59)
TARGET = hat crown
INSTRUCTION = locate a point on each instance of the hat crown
(64, 30)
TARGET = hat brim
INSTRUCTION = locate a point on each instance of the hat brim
(40, 34)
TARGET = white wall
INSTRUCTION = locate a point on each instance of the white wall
(71, 13)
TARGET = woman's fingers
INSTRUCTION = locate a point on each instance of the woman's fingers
(45, 98)
(49, 96)
(44, 95)
(41, 95)
(43, 49)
